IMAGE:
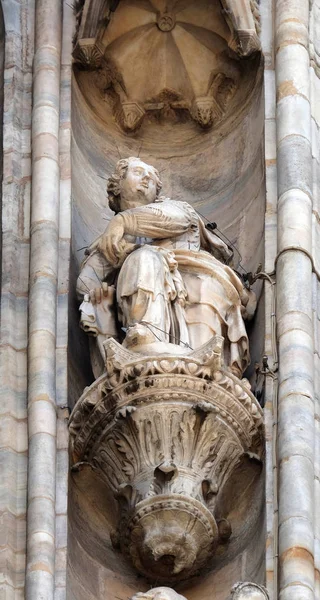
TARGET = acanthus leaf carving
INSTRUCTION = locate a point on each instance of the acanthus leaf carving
(166, 438)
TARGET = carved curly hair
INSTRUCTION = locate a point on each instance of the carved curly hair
(113, 186)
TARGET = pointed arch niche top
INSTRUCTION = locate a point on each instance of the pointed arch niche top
(169, 59)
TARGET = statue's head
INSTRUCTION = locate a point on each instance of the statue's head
(133, 183)
(160, 593)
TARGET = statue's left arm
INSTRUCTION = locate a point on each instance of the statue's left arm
(215, 245)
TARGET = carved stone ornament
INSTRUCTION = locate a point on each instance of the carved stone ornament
(240, 591)
(164, 433)
(246, 590)
(177, 62)
(159, 593)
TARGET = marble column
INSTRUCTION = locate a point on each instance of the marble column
(18, 54)
(62, 462)
(42, 414)
(294, 303)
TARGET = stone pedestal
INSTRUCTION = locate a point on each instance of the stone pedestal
(165, 433)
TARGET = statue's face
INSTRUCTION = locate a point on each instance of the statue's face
(139, 186)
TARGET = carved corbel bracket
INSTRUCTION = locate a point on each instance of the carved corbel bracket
(244, 22)
(89, 53)
(92, 18)
(165, 433)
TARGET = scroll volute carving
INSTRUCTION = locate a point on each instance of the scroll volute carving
(165, 434)
(184, 62)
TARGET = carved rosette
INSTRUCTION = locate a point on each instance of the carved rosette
(165, 434)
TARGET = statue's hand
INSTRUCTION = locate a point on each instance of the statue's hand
(249, 304)
(96, 295)
(111, 242)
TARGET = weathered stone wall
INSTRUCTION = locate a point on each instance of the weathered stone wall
(19, 32)
(290, 42)
(39, 464)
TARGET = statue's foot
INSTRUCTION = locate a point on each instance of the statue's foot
(138, 335)
(144, 339)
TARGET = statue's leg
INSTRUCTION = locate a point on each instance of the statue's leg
(151, 312)
(142, 294)
(203, 323)
(202, 309)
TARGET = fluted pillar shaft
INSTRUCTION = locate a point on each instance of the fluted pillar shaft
(294, 303)
(43, 292)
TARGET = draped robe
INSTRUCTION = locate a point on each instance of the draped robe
(175, 283)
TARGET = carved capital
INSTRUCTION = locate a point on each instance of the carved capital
(88, 53)
(244, 22)
(164, 433)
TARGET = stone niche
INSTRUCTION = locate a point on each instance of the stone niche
(166, 60)
(133, 52)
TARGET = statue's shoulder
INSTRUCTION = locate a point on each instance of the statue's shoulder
(179, 203)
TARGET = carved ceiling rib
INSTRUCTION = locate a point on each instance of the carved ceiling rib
(242, 17)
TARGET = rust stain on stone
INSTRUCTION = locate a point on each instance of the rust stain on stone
(40, 566)
(292, 20)
(298, 554)
(287, 88)
(295, 38)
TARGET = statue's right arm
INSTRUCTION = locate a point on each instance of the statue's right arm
(156, 221)
(94, 272)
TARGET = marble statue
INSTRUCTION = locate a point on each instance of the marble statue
(170, 417)
(160, 276)
(159, 593)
